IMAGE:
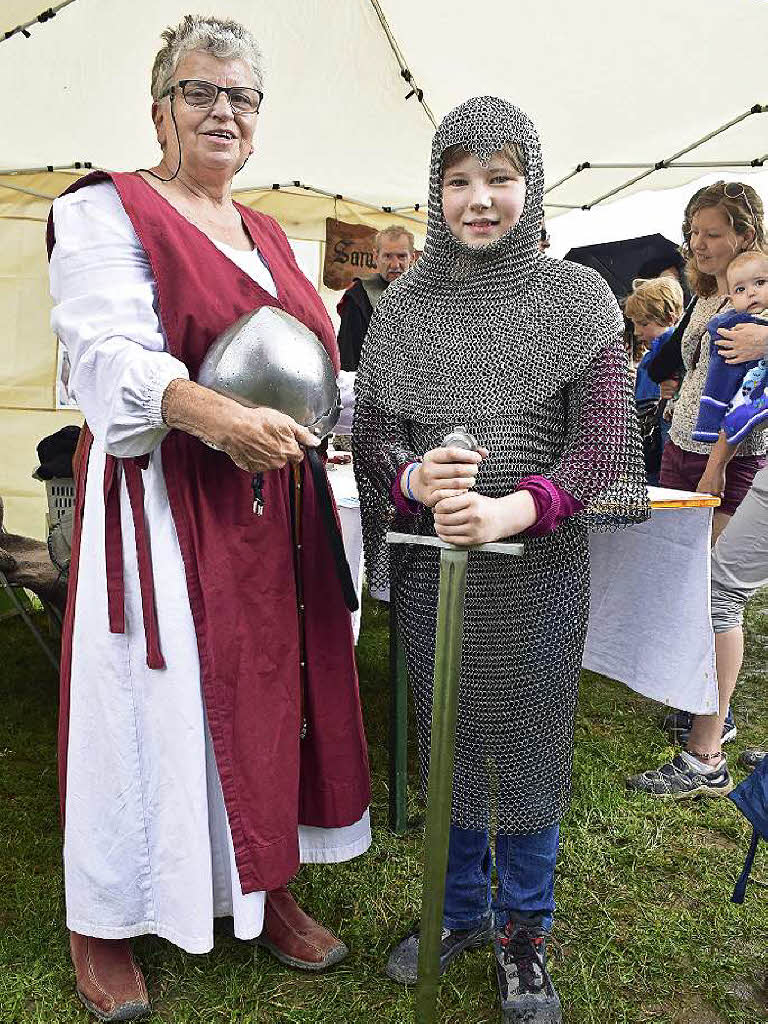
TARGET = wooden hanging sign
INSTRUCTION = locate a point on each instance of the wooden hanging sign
(349, 253)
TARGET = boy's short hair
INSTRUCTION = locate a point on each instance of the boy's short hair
(658, 298)
(745, 257)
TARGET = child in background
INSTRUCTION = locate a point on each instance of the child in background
(734, 398)
(654, 307)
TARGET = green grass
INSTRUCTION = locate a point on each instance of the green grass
(645, 930)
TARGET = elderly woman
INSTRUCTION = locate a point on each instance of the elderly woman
(188, 791)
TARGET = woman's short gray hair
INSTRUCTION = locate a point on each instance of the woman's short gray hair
(221, 37)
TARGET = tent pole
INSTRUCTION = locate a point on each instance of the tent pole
(330, 195)
(46, 15)
(724, 164)
(577, 170)
(758, 108)
(28, 192)
(702, 163)
(79, 165)
(405, 71)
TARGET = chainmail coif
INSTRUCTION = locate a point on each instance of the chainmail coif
(526, 352)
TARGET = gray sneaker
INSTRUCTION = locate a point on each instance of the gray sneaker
(525, 987)
(403, 962)
(679, 723)
(678, 781)
(751, 758)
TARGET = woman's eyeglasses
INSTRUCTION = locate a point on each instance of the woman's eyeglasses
(203, 95)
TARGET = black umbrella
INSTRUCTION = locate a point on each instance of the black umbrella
(621, 262)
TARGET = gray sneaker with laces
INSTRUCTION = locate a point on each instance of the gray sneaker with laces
(751, 758)
(679, 781)
(525, 988)
(403, 962)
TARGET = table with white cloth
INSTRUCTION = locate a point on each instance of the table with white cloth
(649, 623)
(649, 617)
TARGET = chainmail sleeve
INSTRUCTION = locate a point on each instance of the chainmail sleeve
(602, 462)
(381, 447)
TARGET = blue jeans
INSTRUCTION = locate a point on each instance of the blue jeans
(525, 867)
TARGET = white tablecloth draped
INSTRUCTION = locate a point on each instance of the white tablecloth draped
(649, 622)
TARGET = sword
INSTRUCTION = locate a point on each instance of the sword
(448, 638)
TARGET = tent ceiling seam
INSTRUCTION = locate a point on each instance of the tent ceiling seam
(405, 71)
(46, 15)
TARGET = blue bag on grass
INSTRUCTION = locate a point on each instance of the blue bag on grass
(751, 797)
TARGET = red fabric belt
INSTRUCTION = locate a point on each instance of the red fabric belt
(113, 549)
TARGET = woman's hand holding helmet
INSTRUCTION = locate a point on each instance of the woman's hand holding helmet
(261, 439)
(256, 440)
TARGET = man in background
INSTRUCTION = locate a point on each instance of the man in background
(394, 252)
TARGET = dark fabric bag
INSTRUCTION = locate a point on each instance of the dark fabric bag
(55, 453)
(668, 361)
(648, 416)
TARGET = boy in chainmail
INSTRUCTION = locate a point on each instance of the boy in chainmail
(526, 352)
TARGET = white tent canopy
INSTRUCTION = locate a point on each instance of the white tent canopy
(607, 83)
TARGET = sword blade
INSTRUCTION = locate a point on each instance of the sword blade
(450, 628)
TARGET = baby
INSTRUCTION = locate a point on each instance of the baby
(734, 398)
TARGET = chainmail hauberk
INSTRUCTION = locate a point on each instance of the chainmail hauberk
(526, 352)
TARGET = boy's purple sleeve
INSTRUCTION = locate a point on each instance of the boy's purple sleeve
(553, 504)
(404, 506)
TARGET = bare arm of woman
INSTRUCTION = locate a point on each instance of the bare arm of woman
(743, 343)
(255, 439)
(713, 478)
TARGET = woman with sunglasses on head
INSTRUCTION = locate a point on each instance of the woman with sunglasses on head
(191, 792)
(721, 220)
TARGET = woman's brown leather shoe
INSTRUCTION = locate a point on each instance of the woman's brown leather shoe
(294, 938)
(109, 981)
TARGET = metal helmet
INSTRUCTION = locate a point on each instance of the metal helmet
(270, 358)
